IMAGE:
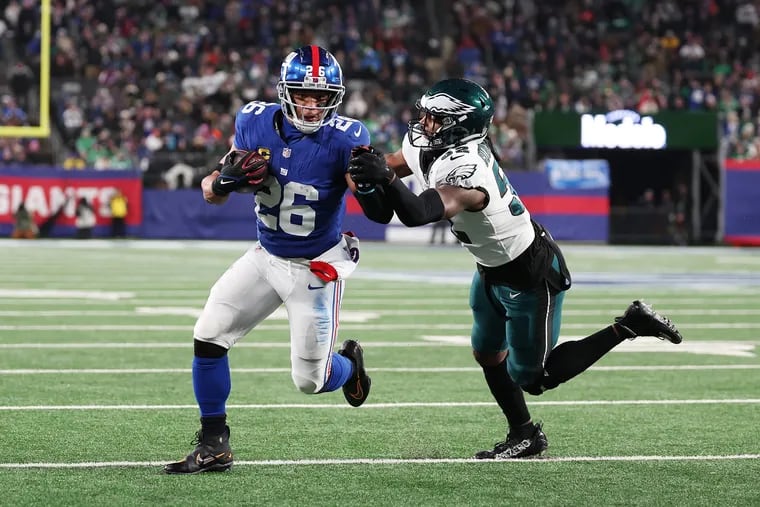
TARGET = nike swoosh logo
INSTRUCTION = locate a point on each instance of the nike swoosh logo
(359, 391)
(209, 459)
(454, 157)
(224, 182)
(513, 295)
(358, 132)
(311, 287)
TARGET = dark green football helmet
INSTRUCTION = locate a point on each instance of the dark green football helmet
(464, 109)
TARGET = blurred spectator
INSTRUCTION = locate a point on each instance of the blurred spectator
(439, 231)
(11, 113)
(73, 121)
(681, 215)
(152, 77)
(647, 199)
(85, 219)
(20, 79)
(73, 161)
(24, 226)
(119, 208)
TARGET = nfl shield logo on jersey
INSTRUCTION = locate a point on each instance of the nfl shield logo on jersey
(286, 152)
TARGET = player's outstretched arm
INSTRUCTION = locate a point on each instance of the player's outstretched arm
(369, 168)
(414, 210)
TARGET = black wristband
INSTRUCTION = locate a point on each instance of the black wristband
(219, 190)
(374, 204)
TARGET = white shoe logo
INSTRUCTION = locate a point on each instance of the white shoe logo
(513, 295)
(513, 451)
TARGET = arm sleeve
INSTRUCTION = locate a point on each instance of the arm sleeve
(414, 210)
(375, 205)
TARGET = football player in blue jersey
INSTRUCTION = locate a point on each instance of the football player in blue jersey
(301, 258)
(518, 288)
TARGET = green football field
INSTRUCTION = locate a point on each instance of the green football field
(96, 393)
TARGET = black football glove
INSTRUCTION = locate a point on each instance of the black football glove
(242, 171)
(367, 168)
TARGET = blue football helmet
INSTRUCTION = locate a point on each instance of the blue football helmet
(310, 68)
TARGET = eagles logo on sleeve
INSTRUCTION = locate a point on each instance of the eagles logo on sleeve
(460, 175)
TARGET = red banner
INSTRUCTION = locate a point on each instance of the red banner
(46, 192)
(742, 165)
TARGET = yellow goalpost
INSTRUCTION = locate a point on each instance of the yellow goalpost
(43, 129)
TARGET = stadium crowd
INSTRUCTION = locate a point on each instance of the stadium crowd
(136, 78)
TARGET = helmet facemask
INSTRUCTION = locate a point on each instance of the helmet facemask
(290, 108)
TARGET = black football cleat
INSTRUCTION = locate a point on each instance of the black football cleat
(640, 319)
(515, 447)
(211, 454)
(356, 388)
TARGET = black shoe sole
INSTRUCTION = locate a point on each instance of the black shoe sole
(358, 397)
(217, 467)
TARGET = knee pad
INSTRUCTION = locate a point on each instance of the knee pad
(305, 385)
(206, 349)
(308, 374)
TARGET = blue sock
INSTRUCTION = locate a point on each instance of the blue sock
(342, 370)
(212, 384)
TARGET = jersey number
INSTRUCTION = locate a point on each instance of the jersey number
(516, 206)
(256, 107)
(295, 219)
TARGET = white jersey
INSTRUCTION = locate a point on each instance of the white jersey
(499, 232)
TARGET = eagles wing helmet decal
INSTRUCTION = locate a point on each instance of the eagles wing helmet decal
(443, 103)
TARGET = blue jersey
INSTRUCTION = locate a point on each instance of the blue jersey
(301, 215)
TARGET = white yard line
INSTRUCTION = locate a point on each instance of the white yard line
(347, 326)
(455, 341)
(138, 371)
(352, 299)
(377, 312)
(367, 406)
(392, 461)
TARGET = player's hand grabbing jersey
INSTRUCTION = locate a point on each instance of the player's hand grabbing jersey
(499, 232)
(300, 210)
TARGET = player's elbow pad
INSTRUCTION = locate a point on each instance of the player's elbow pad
(414, 210)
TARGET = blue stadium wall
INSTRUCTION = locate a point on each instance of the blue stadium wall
(742, 202)
(571, 215)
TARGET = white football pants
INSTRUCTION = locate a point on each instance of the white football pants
(258, 283)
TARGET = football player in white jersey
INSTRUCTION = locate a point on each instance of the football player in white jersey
(518, 288)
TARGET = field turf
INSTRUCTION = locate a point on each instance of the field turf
(96, 393)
